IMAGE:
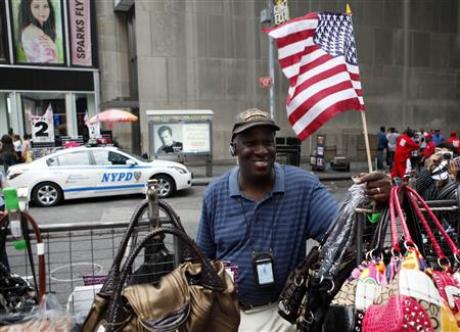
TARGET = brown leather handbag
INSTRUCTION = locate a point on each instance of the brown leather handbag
(196, 296)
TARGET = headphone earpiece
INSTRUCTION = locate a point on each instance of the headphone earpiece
(232, 149)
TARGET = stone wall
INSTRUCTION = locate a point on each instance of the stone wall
(198, 54)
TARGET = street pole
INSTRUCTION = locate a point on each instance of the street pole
(271, 63)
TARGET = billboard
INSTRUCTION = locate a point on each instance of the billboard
(80, 32)
(37, 27)
(182, 137)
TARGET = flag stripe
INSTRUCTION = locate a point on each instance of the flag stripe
(316, 98)
(291, 65)
(295, 37)
(326, 115)
(323, 104)
(307, 22)
(315, 85)
(293, 49)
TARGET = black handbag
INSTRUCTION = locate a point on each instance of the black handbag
(336, 260)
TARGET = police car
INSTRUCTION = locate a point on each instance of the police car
(94, 171)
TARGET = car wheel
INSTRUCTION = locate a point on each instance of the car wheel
(47, 194)
(166, 185)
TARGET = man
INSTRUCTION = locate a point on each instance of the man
(438, 138)
(404, 147)
(430, 147)
(454, 141)
(382, 143)
(258, 216)
(167, 140)
(391, 137)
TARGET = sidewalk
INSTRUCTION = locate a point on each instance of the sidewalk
(200, 178)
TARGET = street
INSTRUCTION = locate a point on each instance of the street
(187, 205)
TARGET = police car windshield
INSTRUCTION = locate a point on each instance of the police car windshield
(135, 156)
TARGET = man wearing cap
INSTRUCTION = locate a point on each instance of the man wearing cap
(258, 216)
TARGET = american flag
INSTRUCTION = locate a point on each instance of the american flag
(317, 53)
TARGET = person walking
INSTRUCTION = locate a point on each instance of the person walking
(404, 147)
(8, 155)
(382, 144)
(391, 138)
(259, 214)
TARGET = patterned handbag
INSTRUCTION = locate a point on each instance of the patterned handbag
(410, 301)
(359, 291)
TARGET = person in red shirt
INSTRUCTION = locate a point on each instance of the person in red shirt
(429, 148)
(404, 146)
(455, 141)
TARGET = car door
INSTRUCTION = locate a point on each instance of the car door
(74, 173)
(118, 173)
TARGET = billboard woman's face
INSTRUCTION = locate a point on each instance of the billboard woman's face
(40, 10)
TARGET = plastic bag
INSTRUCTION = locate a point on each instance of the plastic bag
(47, 317)
(342, 234)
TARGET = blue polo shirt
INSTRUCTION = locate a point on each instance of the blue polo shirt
(233, 226)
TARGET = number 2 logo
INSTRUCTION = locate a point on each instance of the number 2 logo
(43, 131)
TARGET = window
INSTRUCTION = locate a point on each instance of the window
(104, 157)
(74, 159)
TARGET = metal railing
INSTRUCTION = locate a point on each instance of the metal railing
(79, 255)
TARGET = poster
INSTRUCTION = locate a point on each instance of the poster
(196, 137)
(167, 138)
(37, 27)
(80, 32)
(43, 127)
(181, 137)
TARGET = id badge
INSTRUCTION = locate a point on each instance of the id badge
(263, 269)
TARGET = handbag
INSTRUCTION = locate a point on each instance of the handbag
(410, 301)
(346, 310)
(196, 296)
(155, 253)
(336, 260)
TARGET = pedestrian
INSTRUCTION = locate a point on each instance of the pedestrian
(258, 216)
(382, 144)
(404, 147)
(454, 141)
(17, 143)
(438, 138)
(430, 148)
(8, 156)
(26, 152)
(391, 138)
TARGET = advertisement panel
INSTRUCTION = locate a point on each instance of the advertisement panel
(37, 26)
(184, 137)
(80, 32)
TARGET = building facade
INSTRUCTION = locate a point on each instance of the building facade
(48, 62)
(198, 54)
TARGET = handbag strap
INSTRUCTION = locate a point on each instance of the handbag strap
(455, 250)
(113, 275)
(396, 211)
(380, 233)
(208, 279)
(434, 243)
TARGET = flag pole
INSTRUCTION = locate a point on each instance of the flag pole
(363, 118)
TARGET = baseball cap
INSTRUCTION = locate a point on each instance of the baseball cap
(250, 118)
